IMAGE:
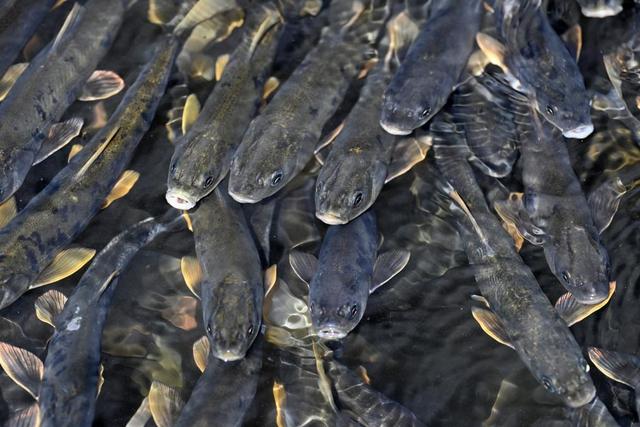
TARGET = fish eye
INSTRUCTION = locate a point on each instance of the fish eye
(425, 112)
(550, 110)
(276, 178)
(250, 330)
(357, 199)
(354, 311)
(565, 276)
(546, 382)
(208, 182)
(209, 331)
(585, 366)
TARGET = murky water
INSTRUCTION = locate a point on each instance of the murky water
(417, 342)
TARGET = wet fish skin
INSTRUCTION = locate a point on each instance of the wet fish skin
(432, 67)
(201, 159)
(555, 203)
(369, 405)
(69, 385)
(539, 60)
(51, 83)
(355, 170)
(224, 392)
(19, 20)
(232, 288)
(280, 141)
(542, 339)
(340, 288)
(54, 217)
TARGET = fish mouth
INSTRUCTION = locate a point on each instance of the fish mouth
(240, 198)
(179, 200)
(579, 132)
(581, 399)
(601, 12)
(229, 356)
(389, 128)
(330, 219)
(331, 333)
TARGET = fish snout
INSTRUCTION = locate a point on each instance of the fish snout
(583, 395)
(229, 356)
(180, 200)
(331, 332)
(241, 198)
(330, 219)
(601, 11)
(579, 132)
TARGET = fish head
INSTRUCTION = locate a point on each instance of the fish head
(581, 264)
(232, 315)
(264, 165)
(568, 379)
(568, 110)
(346, 187)
(405, 107)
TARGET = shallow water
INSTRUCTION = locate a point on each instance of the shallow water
(418, 341)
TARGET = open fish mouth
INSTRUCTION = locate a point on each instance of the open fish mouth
(331, 333)
(394, 130)
(579, 132)
(240, 198)
(601, 11)
(330, 219)
(179, 200)
(230, 356)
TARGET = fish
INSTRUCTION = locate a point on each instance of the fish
(369, 406)
(232, 289)
(620, 367)
(68, 389)
(532, 326)
(202, 157)
(346, 271)
(600, 8)
(539, 64)
(19, 20)
(432, 67)
(54, 80)
(224, 392)
(56, 215)
(553, 212)
(363, 158)
(280, 141)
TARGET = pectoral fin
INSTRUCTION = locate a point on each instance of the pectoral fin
(513, 213)
(604, 202)
(65, 263)
(8, 211)
(122, 187)
(203, 66)
(407, 152)
(491, 324)
(573, 40)
(620, 367)
(141, 416)
(221, 64)
(100, 380)
(49, 305)
(75, 149)
(493, 49)
(102, 84)
(387, 266)
(23, 367)
(10, 77)
(26, 417)
(190, 113)
(161, 11)
(201, 349)
(165, 404)
(192, 274)
(60, 134)
(270, 86)
(304, 265)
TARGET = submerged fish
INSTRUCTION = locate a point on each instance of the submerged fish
(201, 159)
(53, 218)
(539, 64)
(52, 82)
(71, 369)
(280, 141)
(432, 67)
(553, 212)
(346, 272)
(620, 367)
(232, 287)
(224, 392)
(528, 321)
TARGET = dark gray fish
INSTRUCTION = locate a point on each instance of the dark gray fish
(526, 319)
(370, 407)
(224, 392)
(19, 20)
(281, 140)
(600, 8)
(432, 67)
(52, 82)
(53, 218)
(553, 212)
(202, 157)
(620, 367)
(540, 65)
(347, 270)
(232, 288)
(71, 369)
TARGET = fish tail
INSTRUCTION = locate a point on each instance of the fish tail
(260, 23)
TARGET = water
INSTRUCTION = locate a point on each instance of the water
(417, 342)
